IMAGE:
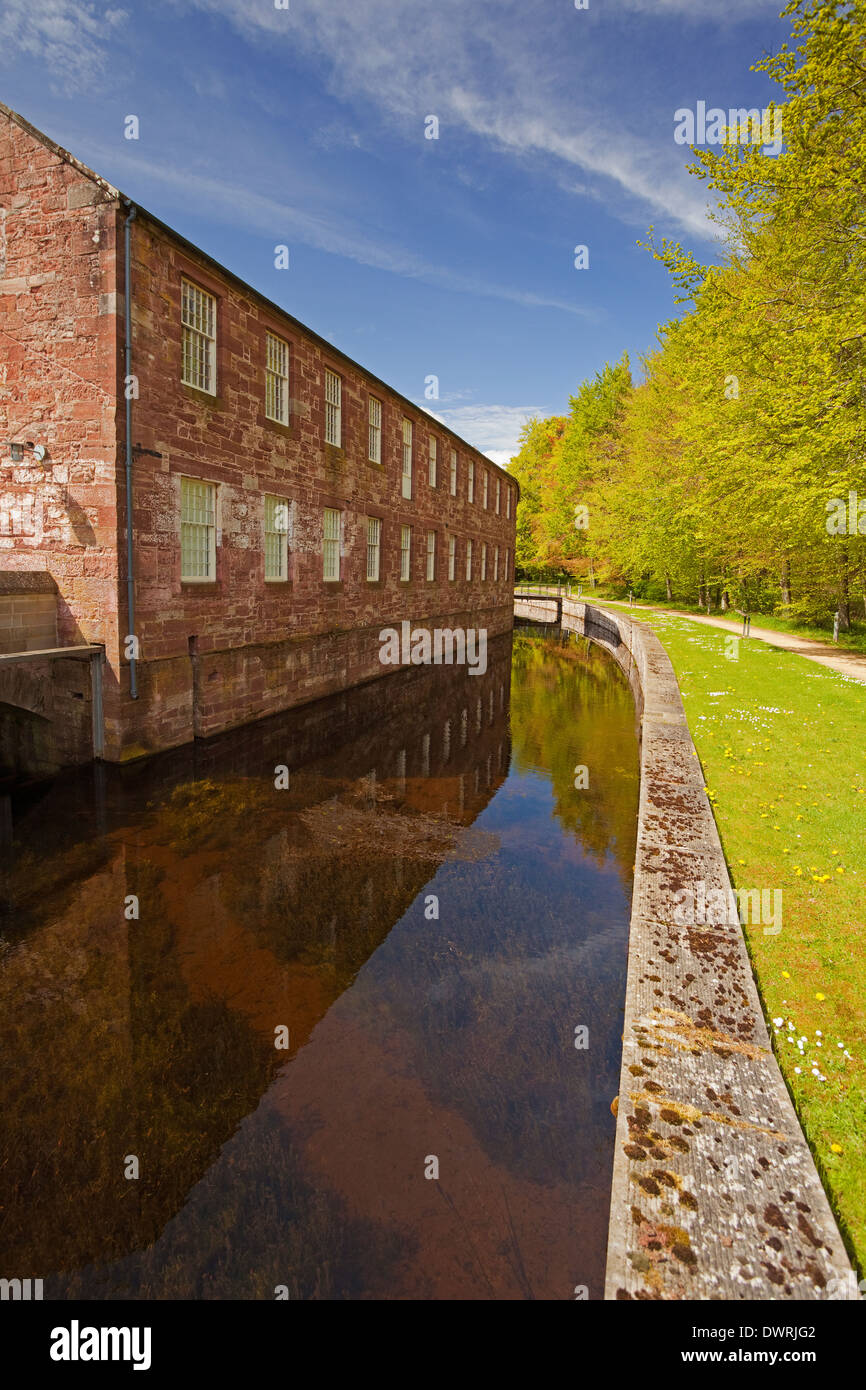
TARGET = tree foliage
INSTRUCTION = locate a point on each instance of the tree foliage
(724, 471)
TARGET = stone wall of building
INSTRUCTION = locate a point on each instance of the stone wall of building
(218, 653)
(59, 356)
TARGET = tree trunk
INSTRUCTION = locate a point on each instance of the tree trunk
(844, 594)
(786, 582)
(703, 595)
(668, 588)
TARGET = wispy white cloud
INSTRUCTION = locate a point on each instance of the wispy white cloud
(491, 73)
(494, 429)
(395, 53)
(67, 37)
(287, 223)
(636, 168)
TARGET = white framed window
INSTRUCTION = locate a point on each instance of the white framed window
(495, 563)
(331, 543)
(468, 559)
(374, 547)
(405, 552)
(483, 559)
(407, 458)
(276, 537)
(431, 554)
(277, 379)
(453, 472)
(198, 317)
(484, 484)
(506, 566)
(374, 431)
(452, 557)
(333, 409)
(508, 503)
(471, 483)
(432, 461)
(197, 531)
(498, 494)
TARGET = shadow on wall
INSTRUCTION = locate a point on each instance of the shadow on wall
(68, 630)
(599, 627)
(79, 521)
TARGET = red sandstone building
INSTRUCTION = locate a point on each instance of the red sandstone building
(286, 504)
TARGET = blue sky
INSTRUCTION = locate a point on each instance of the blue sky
(453, 257)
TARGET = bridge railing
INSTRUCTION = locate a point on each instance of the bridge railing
(547, 590)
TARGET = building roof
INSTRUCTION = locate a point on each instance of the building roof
(113, 193)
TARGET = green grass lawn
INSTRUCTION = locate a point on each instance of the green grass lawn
(782, 743)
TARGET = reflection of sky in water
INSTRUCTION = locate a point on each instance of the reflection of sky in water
(455, 1039)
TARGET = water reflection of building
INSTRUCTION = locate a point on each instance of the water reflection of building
(257, 907)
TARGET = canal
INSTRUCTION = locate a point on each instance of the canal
(329, 1007)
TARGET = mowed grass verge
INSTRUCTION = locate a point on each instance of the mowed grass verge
(782, 744)
(853, 641)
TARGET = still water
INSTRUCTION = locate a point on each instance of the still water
(425, 914)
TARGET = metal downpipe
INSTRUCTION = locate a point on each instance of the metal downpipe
(130, 552)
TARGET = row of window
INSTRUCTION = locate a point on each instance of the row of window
(198, 542)
(198, 317)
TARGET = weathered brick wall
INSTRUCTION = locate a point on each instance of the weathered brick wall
(261, 646)
(58, 385)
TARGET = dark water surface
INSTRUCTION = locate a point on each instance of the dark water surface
(412, 1037)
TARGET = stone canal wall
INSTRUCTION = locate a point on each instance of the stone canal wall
(536, 610)
(715, 1193)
